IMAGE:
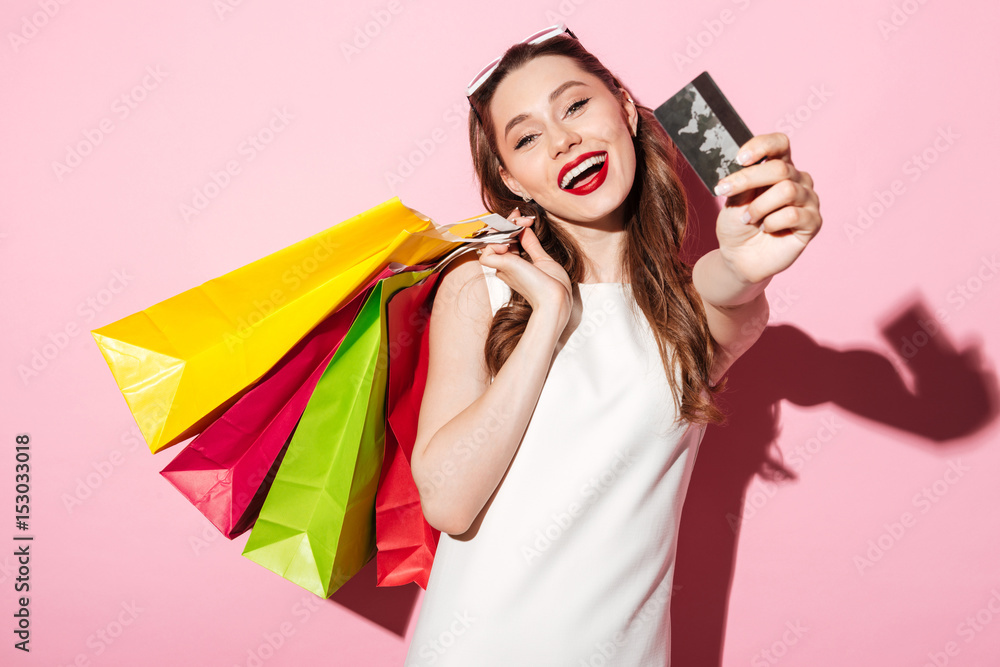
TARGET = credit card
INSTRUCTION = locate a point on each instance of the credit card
(706, 129)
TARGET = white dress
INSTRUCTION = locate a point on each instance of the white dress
(573, 563)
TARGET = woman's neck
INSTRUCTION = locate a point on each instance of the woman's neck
(601, 241)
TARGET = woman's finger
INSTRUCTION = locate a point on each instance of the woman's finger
(773, 145)
(791, 218)
(489, 255)
(755, 176)
(487, 251)
(784, 193)
(516, 217)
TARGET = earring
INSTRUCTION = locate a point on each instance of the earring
(525, 197)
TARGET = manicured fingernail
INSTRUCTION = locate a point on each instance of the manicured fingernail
(723, 188)
(746, 216)
(743, 158)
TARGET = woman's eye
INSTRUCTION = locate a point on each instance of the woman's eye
(523, 140)
(577, 104)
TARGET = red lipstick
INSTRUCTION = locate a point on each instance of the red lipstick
(595, 181)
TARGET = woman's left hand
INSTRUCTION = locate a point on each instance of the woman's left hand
(783, 210)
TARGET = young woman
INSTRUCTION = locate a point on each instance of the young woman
(567, 391)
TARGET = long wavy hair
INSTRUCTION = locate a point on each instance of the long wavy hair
(656, 221)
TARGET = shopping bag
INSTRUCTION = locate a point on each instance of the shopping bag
(183, 361)
(316, 527)
(406, 542)
(227, 469)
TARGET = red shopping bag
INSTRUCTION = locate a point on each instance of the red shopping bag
(406, 543)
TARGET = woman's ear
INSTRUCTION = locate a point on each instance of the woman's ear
(631, 113)
(511, 182)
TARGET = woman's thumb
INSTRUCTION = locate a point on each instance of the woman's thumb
(531, 244)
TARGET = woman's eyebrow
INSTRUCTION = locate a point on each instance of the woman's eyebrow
(552, 96)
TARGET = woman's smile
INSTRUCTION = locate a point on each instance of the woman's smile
(584, 174)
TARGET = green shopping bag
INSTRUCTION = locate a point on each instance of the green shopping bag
(317, 525)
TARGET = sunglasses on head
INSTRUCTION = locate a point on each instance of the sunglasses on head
(534, 38)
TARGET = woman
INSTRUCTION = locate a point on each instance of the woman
(567, 392)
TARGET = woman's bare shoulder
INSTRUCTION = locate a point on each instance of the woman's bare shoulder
(462, 295)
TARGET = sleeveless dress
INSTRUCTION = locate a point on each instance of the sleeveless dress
(573, 563)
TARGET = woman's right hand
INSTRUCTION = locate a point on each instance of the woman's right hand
(543, 282)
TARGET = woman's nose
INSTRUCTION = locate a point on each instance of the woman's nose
(563, 139)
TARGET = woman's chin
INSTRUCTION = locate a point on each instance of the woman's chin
(596, 205)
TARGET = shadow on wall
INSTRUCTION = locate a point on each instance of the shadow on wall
(953, 396)
(392, 607)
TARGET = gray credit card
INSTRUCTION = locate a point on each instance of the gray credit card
(706, 129)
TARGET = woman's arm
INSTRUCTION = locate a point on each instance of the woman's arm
(770, 216)
(469, 429)
(737, 310)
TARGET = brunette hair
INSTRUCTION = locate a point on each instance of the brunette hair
(656, 220)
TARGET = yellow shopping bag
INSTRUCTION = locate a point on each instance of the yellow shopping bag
(181, 362)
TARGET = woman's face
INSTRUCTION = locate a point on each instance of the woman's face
(551, 116)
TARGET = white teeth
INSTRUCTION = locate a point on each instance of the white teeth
(583, 166)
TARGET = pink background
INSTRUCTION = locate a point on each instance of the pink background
(839, 391)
